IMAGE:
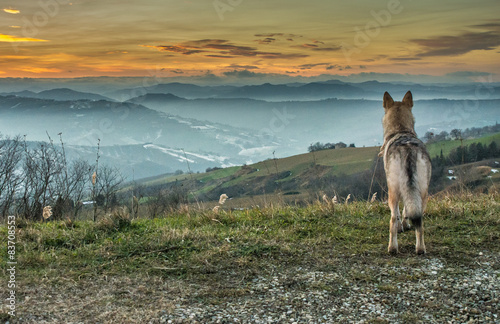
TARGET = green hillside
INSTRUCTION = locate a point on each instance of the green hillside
(295, 169)
(448, 146)
(334, 171)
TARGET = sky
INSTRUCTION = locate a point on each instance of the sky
(453, 40)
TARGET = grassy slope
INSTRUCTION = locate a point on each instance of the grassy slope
(448, 146)
(216, 251)
(342, 161)
(346, 161)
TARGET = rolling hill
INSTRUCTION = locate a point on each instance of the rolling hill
(129, 130)
(304, 176)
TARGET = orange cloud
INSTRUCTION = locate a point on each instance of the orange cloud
(12, 11)
(41, 70)
(220, 48)
(14, 39)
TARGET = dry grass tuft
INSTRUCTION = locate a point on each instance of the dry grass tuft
(223, 199)
(117, 220)
(47, 212)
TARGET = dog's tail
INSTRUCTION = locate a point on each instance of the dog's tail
(411, 192)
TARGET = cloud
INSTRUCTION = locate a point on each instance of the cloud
(12, 11)
(405, 58)
(269, 35)
(338, 67)
(328, 49)
(317, 45)
(14, 39)
(220, 48)
(278, 35)
(489, 25)
(312, 65)
(306, 46)
(488, 39)
(244, 74)
(40, 70)
(247, 67)
(267, 40)
(218, 56)
(467, 74)
(178, 49)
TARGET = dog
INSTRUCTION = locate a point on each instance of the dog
(408, 170)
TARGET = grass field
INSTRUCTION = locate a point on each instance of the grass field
(223, 253)
(448, 146)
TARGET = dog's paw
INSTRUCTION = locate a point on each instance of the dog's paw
(392, 250)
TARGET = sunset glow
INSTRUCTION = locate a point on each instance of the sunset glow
(287, 38)
(15, 39)
(12, 11)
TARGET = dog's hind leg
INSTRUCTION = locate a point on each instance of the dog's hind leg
(419, 230)
(395, 220)
(420, 245)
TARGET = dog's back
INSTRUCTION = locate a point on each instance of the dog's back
(407, 167)
(408, 171)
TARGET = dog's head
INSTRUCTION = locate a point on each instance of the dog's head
(398, 116)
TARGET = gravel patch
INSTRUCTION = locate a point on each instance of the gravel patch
(354, 290)
(433, 292)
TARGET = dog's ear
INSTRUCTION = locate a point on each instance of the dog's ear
(408, 99)
(388, 101)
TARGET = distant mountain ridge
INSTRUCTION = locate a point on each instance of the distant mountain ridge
(59, 94)
(234, 124)
(315, 91)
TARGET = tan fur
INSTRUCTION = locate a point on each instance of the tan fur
(407, 167)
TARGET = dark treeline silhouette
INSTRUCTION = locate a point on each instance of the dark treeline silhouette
(327, 146)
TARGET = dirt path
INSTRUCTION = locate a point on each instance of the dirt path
(347, 289)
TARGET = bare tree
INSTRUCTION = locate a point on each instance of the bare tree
(11, 154)
(78, 182)
(109, 180)
(72, 187)
(158, 203)
(41, 165)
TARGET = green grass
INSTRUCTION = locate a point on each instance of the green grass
(447, 146)
(203, 242)
(132, 271)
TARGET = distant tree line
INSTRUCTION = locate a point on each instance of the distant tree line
(474, 152)
(327, 146)
(34, 176)
(457, 134)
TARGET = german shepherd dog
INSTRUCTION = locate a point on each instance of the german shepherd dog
(407, 168)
